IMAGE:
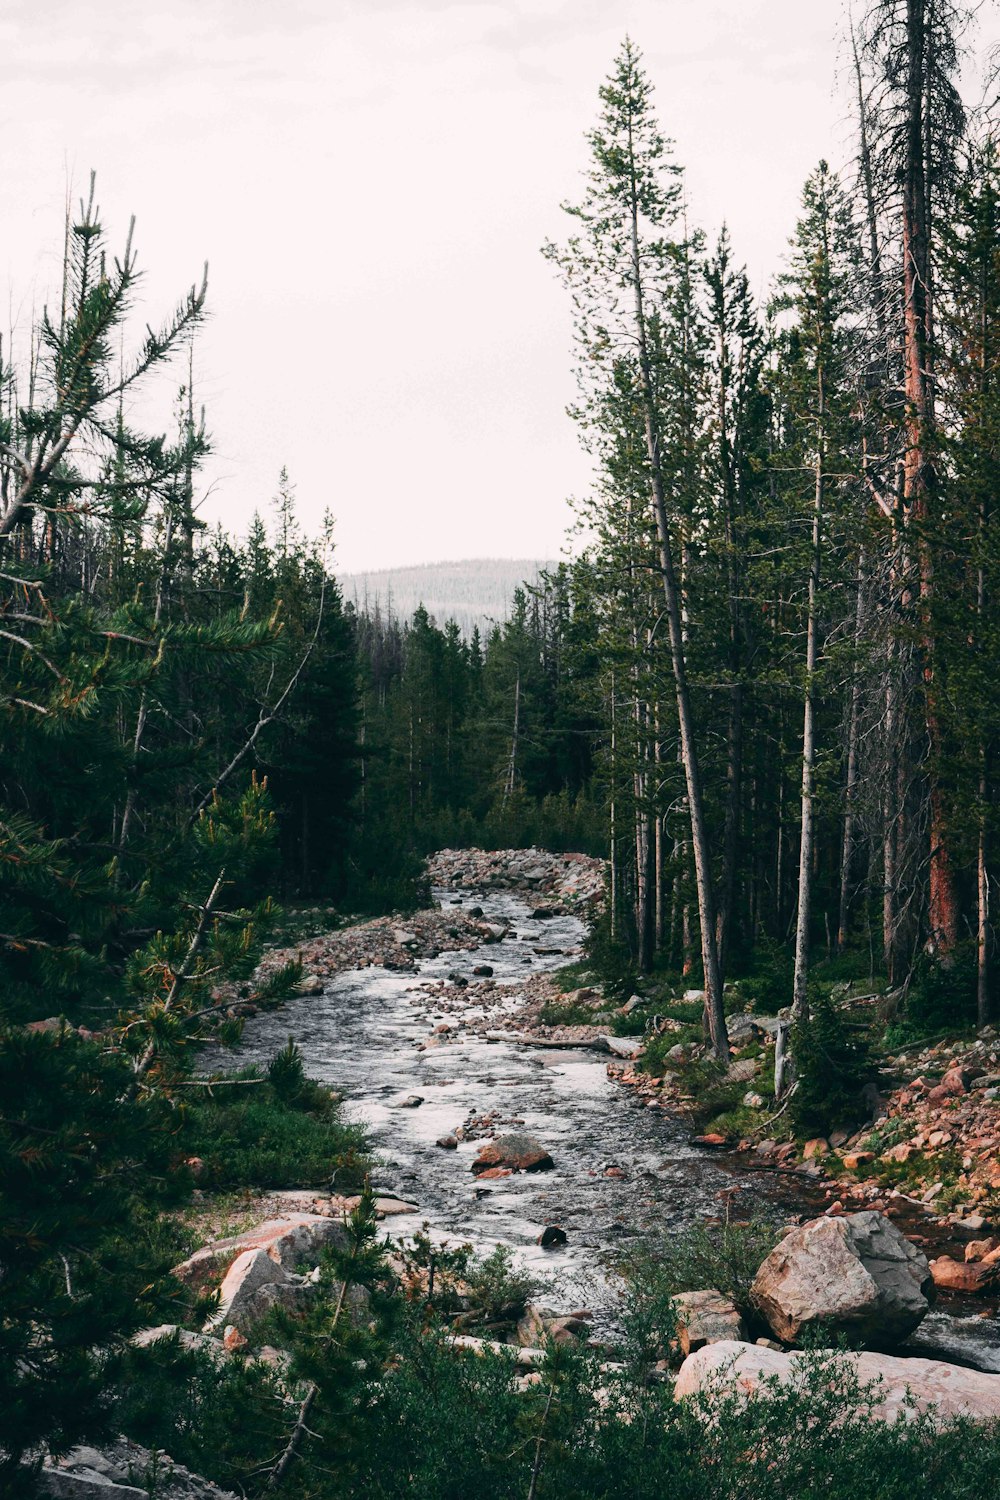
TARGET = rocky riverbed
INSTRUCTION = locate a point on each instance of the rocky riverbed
(431, 1039)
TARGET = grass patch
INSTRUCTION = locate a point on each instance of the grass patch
(272, 1129)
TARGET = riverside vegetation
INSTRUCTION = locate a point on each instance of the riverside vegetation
(762, 691)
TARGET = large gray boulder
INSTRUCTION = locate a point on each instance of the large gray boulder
(856, 1274)
(252, 1286)
(898, 1389)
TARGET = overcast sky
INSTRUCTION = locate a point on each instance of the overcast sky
(370, 181)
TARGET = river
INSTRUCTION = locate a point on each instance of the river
(362, 1036)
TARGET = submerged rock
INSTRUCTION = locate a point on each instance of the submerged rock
(855, 1273)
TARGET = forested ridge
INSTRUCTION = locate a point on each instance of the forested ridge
(762, 688)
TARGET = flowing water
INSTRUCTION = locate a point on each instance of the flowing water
(362, 1035)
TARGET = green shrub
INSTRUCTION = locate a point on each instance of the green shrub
(498, 1287)
(940, 1000)
(834, 1061)
(610, 960)
(725, 1256)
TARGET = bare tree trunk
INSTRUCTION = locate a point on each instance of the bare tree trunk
(800, 1000)
(850, 790)
(689, 752)
(508, 790)
(613, 894)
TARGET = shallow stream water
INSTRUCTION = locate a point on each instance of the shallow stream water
(361, 1036)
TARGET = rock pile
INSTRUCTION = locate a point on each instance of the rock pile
(569, 880)
(385, 943)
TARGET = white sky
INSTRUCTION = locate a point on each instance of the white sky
(371, 181)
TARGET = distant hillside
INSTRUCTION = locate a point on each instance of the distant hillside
(475, 591)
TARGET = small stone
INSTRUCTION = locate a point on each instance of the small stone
(483, 971)
(818, 1146)
(232, 1339)
(551, 1237)
(448, 1142)
(412, 1101)
(979, 1249)
(712, 1139)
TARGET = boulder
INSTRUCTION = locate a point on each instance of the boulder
(964, 1276)
(743, 1070)
(245, 1293)
(517, 1152)
(539, 1324)
(552, 1237)
(303, 1244)
(623, 1046)
(705, 1318)
(201, 1268)
(122, 1470)
(855, 1273)
(905, 1386)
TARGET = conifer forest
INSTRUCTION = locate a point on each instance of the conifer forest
(555, 1056)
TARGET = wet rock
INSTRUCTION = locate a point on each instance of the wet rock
(517, 1152)
(712, 1139)
(448, 1142)
(905, 1387)
(705, 1318)
(855, 1273)
(971, 1277)
(412, 1101)
(483, 971)
(551, 1237)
